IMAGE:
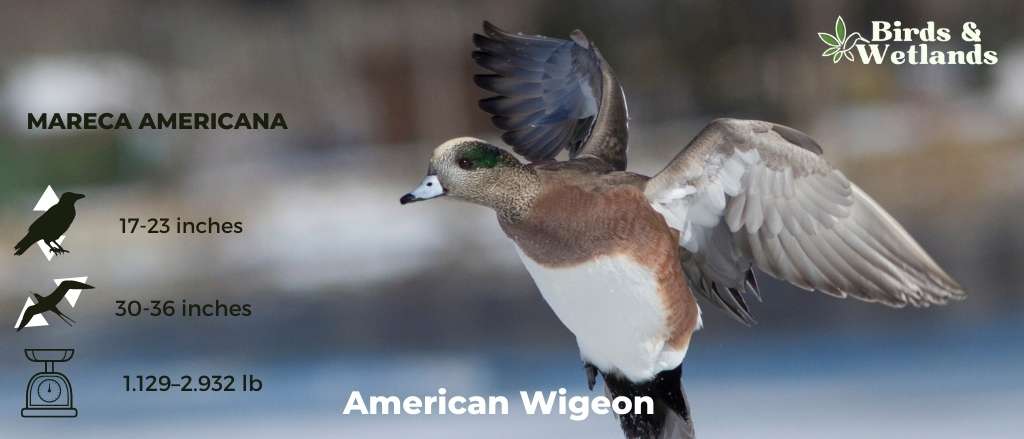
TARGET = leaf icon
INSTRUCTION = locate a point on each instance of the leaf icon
(841, 44)
(829, 39)
(840, 29)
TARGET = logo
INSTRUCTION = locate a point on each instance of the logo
(840, 45)
(894, 43)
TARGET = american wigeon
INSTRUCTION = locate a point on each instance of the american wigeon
(618, 255)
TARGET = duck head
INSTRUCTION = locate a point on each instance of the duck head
(472, 170)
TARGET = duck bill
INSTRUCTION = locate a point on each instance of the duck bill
(429, 188)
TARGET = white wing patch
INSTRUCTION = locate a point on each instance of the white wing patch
(695, 209)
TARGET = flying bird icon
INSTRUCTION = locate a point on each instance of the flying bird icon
(51, 225)
(49, 303)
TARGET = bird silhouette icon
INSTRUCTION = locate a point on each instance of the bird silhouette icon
(49, 303)
(51, 225)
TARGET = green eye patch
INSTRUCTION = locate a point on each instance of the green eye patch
(483, 157)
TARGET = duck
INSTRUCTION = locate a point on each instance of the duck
(621, 258)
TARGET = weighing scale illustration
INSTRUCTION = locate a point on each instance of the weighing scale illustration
(49, 392)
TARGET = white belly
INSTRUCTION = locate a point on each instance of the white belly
(613, 307)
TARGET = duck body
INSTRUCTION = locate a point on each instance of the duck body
(619, 257)
(608, 266)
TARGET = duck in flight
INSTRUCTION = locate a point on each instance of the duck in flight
(50, 302)
(620, 257)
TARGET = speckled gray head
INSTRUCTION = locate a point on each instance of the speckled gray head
(464, 168)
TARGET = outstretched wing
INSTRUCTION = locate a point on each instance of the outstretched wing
(68, 285)
(553, 94)
(30, 312)
(748, 191)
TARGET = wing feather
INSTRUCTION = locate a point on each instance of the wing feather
(552, 94)
(790, 214)
(734, 214)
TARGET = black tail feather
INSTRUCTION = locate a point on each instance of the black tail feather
(23, 245)
(671, 417)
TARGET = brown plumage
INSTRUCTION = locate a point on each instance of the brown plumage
(583, 212)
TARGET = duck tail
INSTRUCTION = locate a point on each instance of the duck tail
(671, 418)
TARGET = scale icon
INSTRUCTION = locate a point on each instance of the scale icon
(49, 392)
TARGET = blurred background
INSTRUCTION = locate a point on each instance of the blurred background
(350, 291)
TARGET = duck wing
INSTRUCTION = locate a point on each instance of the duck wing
(747, 192)
(552, 94)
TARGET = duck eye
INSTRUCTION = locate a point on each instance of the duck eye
(466, 164)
